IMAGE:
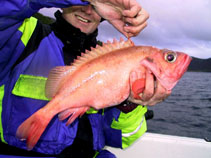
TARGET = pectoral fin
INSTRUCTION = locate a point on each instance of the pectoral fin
(55, 78)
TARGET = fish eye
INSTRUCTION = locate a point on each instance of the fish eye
(170, 57)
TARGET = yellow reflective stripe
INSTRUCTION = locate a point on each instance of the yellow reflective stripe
(132, 125)
(31, 87)
(127, 141)
(27, 28)
(34, 87)
(96, 154)
(91, 111)
(135, 131)
(1, 99)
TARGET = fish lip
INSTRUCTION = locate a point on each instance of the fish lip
(186, 62)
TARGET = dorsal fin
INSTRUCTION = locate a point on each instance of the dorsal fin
(101, 50)
(55, 78)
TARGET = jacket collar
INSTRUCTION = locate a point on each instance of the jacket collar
(70, 35)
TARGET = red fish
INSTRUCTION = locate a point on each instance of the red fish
(100, 78)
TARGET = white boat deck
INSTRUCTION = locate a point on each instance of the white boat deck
(152, 145)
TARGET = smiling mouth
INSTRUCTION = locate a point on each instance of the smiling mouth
(82, 19)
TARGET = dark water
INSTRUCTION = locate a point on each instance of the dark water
(187, 112)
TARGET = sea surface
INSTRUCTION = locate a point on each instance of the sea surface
(187, 112)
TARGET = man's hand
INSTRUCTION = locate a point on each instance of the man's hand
(135, 18)
(126, 16)
(153, 93)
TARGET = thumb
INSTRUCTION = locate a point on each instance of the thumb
(119, 25)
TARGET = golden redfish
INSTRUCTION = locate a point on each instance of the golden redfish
(100, 78)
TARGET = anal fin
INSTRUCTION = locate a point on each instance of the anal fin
(72, 113)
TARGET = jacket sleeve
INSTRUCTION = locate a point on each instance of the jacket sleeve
(17, 10)
(13, 15)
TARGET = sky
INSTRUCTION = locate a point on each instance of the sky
(180, 25)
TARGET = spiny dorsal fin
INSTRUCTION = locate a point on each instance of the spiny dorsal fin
(101, 50)
(55, 78)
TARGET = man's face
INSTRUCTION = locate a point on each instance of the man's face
(83, 17)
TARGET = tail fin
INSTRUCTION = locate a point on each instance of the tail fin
(32, 128)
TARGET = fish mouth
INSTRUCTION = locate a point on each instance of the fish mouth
(185, 63)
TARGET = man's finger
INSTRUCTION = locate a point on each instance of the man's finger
(132, 12)
(140, 18)
(134, 30)
(160, 94)
(149, 87)
(119, 25)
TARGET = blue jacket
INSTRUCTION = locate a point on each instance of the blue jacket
(26, 58)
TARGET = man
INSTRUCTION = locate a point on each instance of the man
(30, 49)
